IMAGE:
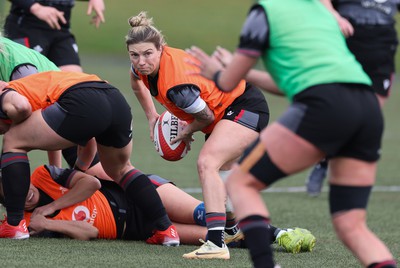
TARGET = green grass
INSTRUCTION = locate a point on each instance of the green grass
(207, 24)
(288, 209)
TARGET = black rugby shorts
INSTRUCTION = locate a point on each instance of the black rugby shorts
(343, 120)
(88, 110)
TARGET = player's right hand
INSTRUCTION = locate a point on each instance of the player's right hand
(52, 16)
(223, 55)
(345, 26)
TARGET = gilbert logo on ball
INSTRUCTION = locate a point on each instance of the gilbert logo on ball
(167, 128)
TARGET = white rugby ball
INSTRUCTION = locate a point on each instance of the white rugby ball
(167, 128)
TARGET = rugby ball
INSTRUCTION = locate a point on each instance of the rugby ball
(167, 128)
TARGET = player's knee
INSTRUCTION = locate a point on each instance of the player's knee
(9, 141)
(199, 214)
(348, 229)
(206, 164)
(343, 200)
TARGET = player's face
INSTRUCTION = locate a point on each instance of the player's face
(32, 198)
(145, 58)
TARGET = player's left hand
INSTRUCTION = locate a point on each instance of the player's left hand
(37, 224)
(185, 136)
(98, 7)
(152, 125)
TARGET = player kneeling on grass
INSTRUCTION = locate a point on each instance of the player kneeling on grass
(82, 206)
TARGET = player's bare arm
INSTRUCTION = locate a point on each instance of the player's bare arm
(81, 187)
(258, 78)
(202, 119)
(188, 98)
(98, 7)
(146, 101)
(345, 26)
(80, 230)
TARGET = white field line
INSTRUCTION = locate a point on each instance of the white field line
(300, 189)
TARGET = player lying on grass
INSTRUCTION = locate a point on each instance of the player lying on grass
(67, 202)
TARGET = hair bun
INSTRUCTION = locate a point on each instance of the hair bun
(140, 20)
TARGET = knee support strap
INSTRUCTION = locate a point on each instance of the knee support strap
(261, 167)
(344, 198)
(199, 215)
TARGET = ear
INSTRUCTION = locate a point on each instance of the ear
(161, 49)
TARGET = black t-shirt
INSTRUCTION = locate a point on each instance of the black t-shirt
(368, 12)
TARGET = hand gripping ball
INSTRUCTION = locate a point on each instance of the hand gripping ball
(167, 128)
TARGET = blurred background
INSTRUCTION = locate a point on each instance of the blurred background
(103, 52)
(206, 24)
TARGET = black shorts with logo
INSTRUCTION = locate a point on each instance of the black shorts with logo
(91, 109)
(374, 46)
(343, 120)
(249, 109)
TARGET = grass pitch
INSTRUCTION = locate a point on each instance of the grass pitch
(206, 24)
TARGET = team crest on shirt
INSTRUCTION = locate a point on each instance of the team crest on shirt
(81, 213)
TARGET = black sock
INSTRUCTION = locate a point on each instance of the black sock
(216, 236)
(140, 191)
(230, 220)
(274, 232)
(257, 236)
(231, 226)
(16, 179)
(384, 264)
(215, 227)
